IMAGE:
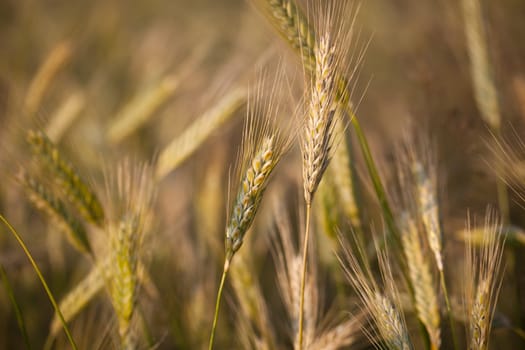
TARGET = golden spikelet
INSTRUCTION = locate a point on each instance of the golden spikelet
(419, 272)
(389, 322)
(342, 335)
(262, 149)
(46, 201)
(294, 27)
(123, 280)
(85, 290)
(318, 134)
(131, 192)
(426, 196)
(483, 278)
(304, 35)
(66, 177)
(250, 192)
(485, 91)
(380, 304)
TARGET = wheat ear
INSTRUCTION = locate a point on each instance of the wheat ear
(46, 201)
(294, 28)
(66, 177)
(425, 297)
(380, 303)
(85, 290)
(263, 150)
(250, 194)
(131, 192)
(485, 90)
(425, 182)
(483, 278)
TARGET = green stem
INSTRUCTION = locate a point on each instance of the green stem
(42, 280)
(303, 275)
(218, 302)
(449, 310)
(374, 174)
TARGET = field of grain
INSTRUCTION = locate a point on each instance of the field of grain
(262, 174)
